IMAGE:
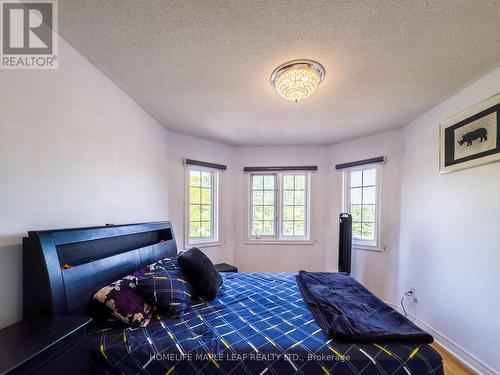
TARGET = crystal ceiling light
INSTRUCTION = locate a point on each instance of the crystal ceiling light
(297, 79)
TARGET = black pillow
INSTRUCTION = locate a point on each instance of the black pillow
(201, 273)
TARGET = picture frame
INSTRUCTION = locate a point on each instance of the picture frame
(472, 137)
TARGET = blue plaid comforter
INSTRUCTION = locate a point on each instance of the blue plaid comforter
(258, 324)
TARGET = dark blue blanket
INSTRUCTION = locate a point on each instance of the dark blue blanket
(346, 310)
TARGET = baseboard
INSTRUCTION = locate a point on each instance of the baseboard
(464, 356)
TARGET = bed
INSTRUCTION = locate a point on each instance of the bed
(259, 322)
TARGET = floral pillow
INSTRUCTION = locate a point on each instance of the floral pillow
(123, 301)
(167, 289)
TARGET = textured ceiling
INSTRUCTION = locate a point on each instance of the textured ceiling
(203, 67)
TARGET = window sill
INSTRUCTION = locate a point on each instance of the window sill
(204, 244)
(377, 249)
(251, 241)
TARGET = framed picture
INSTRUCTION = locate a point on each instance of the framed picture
(472, 137)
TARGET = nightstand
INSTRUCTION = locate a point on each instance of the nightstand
(224, 267)
(47, 345)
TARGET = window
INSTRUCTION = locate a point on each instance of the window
(279, 206)
(263, 205)
(294, 205)
(202, 206)
(361, 192)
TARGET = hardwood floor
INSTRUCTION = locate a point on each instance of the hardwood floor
(452, 366)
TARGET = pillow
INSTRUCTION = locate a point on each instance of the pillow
(122, 301)
(167, 289)
(161, 265)
(201, 273)
(164, 264)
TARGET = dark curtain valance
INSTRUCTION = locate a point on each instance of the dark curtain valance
(204, 164)
(279, 169)
(378, 159)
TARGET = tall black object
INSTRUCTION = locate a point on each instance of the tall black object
(345, 243)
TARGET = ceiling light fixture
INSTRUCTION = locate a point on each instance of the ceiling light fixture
(297, 79)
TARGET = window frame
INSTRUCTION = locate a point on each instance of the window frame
(215, 240)
(359, 244)
(250, 207)
(279, 238)
(307, 206)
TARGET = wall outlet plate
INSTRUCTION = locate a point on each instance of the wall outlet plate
(413, 297)
(410, 294)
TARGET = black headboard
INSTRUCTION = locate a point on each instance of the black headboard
(97, 256)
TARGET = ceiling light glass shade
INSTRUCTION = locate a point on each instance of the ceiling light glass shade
(298, 79)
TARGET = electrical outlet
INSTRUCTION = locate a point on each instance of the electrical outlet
(411, 294)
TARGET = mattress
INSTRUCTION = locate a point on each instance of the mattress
(258, 324)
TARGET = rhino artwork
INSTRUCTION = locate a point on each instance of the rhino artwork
(481, 134)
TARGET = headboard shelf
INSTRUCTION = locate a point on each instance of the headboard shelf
(76, 253)
(72, 235)
(97, 256)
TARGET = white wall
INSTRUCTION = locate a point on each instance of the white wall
(376, 270)
(289, 257)
(74, 150)
(179, 148)
(450, 233)
(372, 268)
